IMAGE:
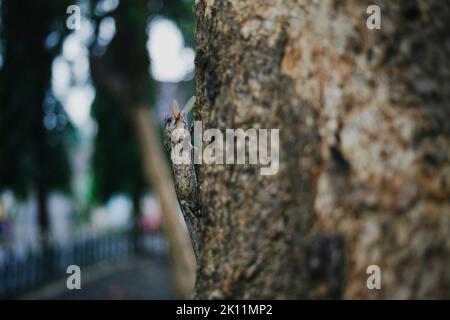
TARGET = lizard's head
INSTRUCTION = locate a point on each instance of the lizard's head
(177, 119)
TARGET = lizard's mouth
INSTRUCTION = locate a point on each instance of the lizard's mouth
(176, 112)
(176, 117)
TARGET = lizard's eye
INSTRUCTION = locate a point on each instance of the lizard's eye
(167, 120)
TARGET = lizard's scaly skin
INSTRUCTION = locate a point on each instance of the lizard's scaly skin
(184, 174)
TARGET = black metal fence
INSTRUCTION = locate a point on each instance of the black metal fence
(22, 273)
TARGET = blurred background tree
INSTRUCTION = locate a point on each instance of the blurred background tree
(113, 120)
(34, 128)
(115, 169)
(80, 136)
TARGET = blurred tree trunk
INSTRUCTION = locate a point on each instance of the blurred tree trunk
(124, 75)
(137, 216)
(364, 174)
(34, 156)
(42, 206)
(181, 253)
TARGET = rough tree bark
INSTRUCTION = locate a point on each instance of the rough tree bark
(364, 149)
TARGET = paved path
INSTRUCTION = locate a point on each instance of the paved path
(135, 278)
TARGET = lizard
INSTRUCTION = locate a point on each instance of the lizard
(186, 185)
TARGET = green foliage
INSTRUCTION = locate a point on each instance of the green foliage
(116, 161)
(32, 154)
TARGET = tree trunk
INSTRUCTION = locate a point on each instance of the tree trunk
(41, 200)
(137, 215)
(364, 176)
